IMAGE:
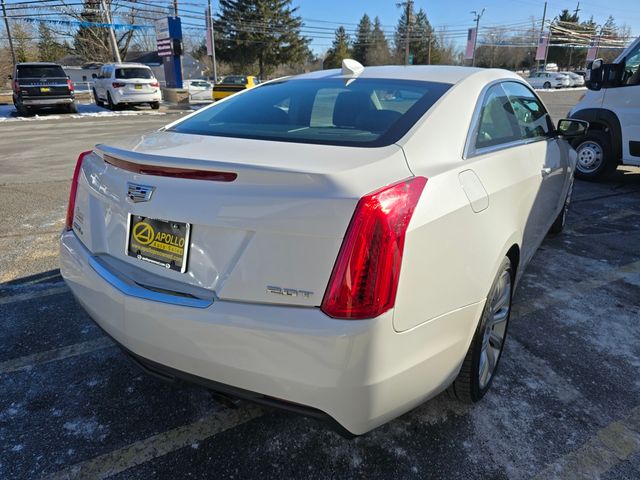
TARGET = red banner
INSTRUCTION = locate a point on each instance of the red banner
(471, 40)
(593, 49)
(543, 43)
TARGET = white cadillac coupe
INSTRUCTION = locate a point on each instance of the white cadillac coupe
(344, 244)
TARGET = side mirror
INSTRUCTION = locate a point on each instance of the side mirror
(593, 76)
(9, 77)
(570, 128)
(94, 76)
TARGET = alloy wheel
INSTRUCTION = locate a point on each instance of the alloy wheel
(495, 329)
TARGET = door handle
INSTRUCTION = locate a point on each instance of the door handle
(545, 171)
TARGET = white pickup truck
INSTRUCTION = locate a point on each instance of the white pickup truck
(612, 108)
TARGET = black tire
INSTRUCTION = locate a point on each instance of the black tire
(595, 156)
(558, 225)
(99, 102)
(72, 108)
(155, 105)
(467, 386)
(110, 104)
(21, 110)
(546, 85)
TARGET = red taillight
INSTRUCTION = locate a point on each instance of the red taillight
(74, 189)
(118, 84)
(70, 84)
(154, 84)
(365, 277)
(16, 86)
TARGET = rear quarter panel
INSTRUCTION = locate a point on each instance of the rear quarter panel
(452, 253)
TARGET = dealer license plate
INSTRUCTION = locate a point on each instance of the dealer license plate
(163, 243)
(45, 89)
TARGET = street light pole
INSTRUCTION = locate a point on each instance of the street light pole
(6, 24)
(478, 16)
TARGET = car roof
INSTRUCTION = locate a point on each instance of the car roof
(37, 64)
(126, 64)
(431, 73)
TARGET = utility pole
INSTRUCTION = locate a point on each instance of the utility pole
(112, 33)
(546, 51)
(544, 17)
(213, 44)
(575, 12)
(407, 42)
(175, 8)
(6, 24)
(429, 52)
(477, 18)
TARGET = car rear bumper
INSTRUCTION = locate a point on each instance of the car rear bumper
(136, 97)
(46, 102)
(220, 95)
(360, 373)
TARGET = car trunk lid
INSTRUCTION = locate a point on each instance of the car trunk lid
(266, 227)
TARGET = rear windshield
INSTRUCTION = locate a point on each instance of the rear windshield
(234, 80)
(37, 71)
(366, 112)
(133, 73)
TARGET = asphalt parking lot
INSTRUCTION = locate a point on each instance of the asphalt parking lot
(565, 404)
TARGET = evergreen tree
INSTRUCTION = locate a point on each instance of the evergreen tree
(49, 50)
(378, 52)
(266, 32)
(421, 33)
(340, 49)
(363, 39)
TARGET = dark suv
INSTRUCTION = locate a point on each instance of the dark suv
(38, 85)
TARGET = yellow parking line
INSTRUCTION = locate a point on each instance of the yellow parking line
(607, 448)
(158, 445)
(22, 297)
(28, 361)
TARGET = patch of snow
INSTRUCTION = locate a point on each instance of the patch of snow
(89, 429)
(85, 110)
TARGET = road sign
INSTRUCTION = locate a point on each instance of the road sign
(164, 47)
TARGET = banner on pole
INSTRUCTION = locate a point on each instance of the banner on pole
(593, 48)
(471, 40)
(543, 43)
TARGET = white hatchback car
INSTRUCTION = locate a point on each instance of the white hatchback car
(344, 244)
(119, 84)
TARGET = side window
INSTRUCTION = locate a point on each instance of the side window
(497, 124)
(631, 74)
(533, 119)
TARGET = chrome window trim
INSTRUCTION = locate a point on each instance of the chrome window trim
(470, 150)
(133, 289)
